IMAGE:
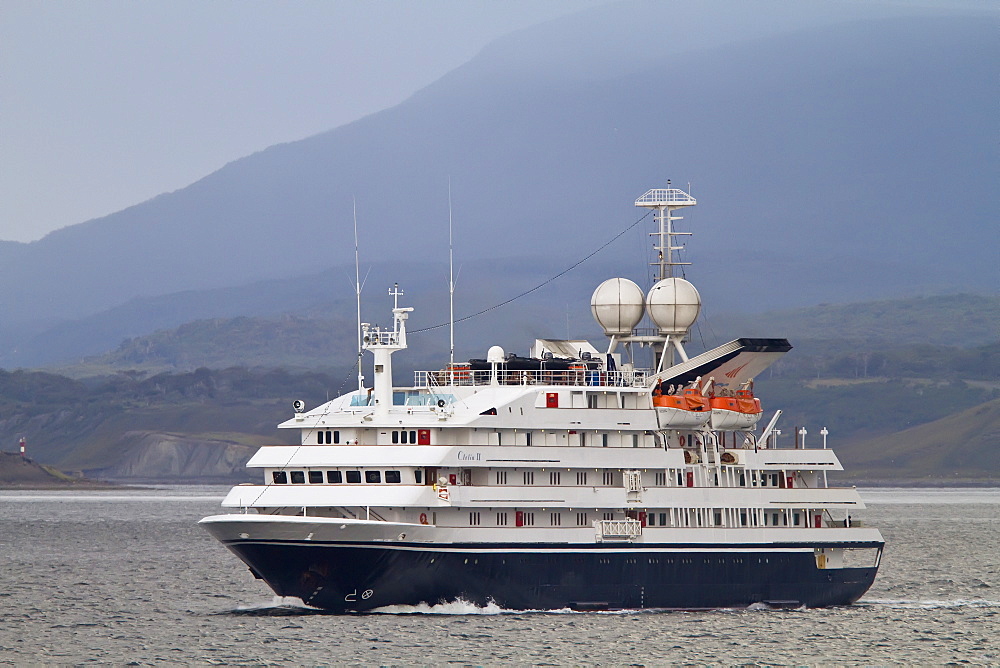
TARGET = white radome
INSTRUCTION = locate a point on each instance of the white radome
(618, 306)
(673, 305)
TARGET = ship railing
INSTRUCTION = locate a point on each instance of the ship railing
(609, 531)
(573, 377)
(381, 337)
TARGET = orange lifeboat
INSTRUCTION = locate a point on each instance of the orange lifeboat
(688, 409)
(741, 411)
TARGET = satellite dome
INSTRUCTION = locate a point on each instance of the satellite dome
(673, 305)
(617, 306)
(495, 355)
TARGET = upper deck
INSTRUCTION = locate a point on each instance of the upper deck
(582, 377)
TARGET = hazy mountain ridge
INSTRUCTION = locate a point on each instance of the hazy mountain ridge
(179, 417)
(954, 336)
(819, 125)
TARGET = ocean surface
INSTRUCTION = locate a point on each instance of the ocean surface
(128, 576)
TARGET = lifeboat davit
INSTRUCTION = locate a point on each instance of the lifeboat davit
(741, 411)
(686, 410)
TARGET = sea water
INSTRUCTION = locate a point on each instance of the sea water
(128, 576)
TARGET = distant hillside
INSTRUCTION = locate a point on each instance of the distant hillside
(963, 447)
(824, 170)
(899, 338)
(958, 320)
(17, 472)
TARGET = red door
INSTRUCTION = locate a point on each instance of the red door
(519, 519)
(424, 437)
(552, 400)
(690, 478)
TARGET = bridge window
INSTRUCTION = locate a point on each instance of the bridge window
(315, 477)
(334, 477)
(279, 477)
(353, 476)
(298, 477)
(418, 476)
(373, 476)
(393, 476)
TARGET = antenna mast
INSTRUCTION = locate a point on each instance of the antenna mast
(451, 286)
(357, 293)
(664, 201)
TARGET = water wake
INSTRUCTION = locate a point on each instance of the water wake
(914, 604)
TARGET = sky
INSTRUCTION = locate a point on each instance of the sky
(107, 103)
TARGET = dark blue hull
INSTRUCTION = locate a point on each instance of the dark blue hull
(346, 577)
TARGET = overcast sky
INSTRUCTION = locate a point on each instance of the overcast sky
(106, 103)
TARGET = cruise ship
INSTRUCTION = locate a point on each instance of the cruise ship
(572, 477)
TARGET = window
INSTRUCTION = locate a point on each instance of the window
(651, 518)
(581, 519)
(373, 476)
(609, 478)
(393, 476)
(501, 519)
(298, 477)
(635, 440)
(718, 518)
(529, 478)
(554, 477)
(354, 476)
(501, 477)
(604, 440)
(334, 477)
(591, 400)
(474, 519)
(581, 477)
(315, 477)
(418, 477)
(555, 519)
(609, 516)
(583, 438)
(743, 519)
(279, 477)
(327, 437)
(395, 437)
(413, 437)
(663, 519)
(661, 478)
(529, 519)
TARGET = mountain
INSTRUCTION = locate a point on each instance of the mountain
(838, 154)
(17, 472)
(958, 448)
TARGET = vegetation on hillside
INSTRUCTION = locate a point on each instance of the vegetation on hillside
(72, 423)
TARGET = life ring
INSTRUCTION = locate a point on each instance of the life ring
(681, 438)
(423, 518)
(440, 403)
